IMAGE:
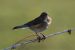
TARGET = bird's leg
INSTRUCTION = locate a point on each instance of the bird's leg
(39, 37)
(43, 36)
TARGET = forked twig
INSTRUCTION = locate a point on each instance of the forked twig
(35, 39)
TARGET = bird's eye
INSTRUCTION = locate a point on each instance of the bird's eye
(48, 20)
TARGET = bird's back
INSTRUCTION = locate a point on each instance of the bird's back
(37, 20)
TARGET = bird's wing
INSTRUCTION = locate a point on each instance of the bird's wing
(34, 22)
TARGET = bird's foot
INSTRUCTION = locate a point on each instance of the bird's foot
(39, 38)
(44, 37)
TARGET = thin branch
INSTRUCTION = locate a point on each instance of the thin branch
(35, 39)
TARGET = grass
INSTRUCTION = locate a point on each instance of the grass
(17, 12)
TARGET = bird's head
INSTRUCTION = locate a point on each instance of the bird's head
(44, 14)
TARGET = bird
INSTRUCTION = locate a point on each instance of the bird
(37, 25)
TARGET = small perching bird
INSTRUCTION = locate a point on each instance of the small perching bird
(38, 25)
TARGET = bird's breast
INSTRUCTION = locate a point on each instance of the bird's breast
(39, 27)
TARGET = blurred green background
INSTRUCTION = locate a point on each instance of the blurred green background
(17, 12)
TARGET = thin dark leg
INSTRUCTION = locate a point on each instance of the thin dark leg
(38, 38)
(44, 37)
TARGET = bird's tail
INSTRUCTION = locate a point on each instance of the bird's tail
(18, 27)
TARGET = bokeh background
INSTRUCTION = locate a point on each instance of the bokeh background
(17, 12)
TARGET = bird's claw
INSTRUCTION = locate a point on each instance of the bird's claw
(41, 38)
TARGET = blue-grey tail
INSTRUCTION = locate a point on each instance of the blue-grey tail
(18, 27)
